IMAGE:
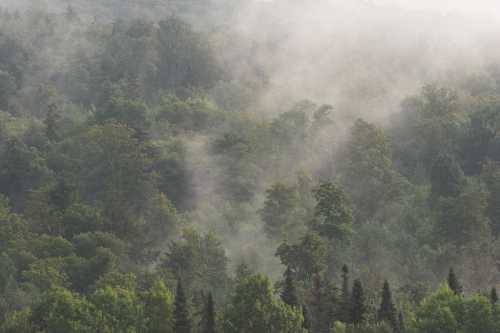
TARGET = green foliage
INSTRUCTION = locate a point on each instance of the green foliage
(181, 311)
(289, 293)
(358, 306)
(200, 262)
(159, 309)
(254, 309)
(333, 212)
(280, 211)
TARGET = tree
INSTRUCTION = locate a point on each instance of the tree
(209, 316)
(387, 311)
(158, 308)
(493, 296)
(358, 308)
(446, 176)
(279, 211)
(253, 308)
(289, 293)
(61, 311)
(200, 261)
(401, 323)
(346, 295)
(181, 311)
(51, 122)
(306, 258)
(333, 215)
(453, 283)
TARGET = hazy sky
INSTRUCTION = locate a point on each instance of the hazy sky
(466, 7)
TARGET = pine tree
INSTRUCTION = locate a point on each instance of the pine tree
(51, 122)
(289, 294)
(401, 323)
(181, 312)
(358, 309)
(307, 321)
(387, 312)
(209, 316)
(453, 282)
(346, 294)
(493, 296)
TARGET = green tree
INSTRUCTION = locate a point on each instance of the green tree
(387, 311)
(454, 283)
(51, 122)
(289, 293)
(209, 325)
(305, 258)
(346, 295)
(446, 176)
(358, 306)
(61, 311)
(279, 210)
(254, 309)
(333, 215)
(493, 296)
(181, 311)
(158, 309)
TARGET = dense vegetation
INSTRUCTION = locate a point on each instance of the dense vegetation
(144, 188)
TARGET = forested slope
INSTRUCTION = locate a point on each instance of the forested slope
(166, 168)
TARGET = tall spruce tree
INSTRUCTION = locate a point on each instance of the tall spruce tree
(358, 308)
(387, 311)
(453, 283)
(51, 122)
(289, 294)
(307, 321)
(401, 323)
(346, 295)
(493, 296)
(209, 316)
(181, 311)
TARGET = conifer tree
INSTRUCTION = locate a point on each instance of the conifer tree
(387, 312)
(346, 294)
(358, 308)
(209, 316)
(453, 282)
(289, 294)
(181, 312)
(51, 122)
(401, 323)
(307, 321)
(494, 296)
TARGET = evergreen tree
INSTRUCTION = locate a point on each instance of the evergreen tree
(346, 295)
(289, 294)
(181, 312)
(401, 323)
(51, 122)
(307, 321)
(358, 308)
(453, 282)
(209, 316)
(494, 296)
(387, 312)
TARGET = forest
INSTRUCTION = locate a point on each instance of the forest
(211, 166)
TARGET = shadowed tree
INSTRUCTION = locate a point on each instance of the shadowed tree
(387, 312)
(358, 308)
(289, 294)
(346, 294)
(453, 283)
(493, 296)
(181, 312)
(209, 316)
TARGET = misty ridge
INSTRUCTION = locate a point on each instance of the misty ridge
(278, 166)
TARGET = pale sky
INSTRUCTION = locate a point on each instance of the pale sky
(466, 7)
